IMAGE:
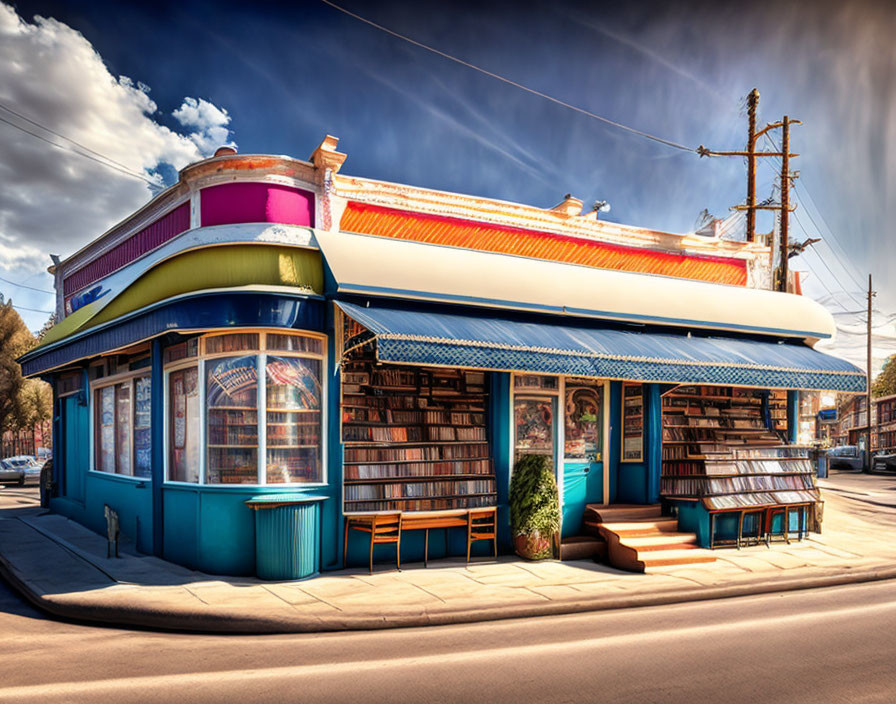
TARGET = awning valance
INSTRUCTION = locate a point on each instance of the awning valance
(424, 337)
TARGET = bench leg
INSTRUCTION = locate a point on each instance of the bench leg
(345, 545)
(426, 549)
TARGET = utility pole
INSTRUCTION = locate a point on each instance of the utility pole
(750, 207)
(752, 104)
(784, 229)
(871, 295)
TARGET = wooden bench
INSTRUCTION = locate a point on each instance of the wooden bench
(431, 520)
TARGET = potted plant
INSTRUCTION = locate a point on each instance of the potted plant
(534, 508)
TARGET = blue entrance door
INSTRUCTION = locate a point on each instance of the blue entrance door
(582, 451)
(75, 443)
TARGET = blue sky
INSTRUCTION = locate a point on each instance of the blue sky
(279, 76)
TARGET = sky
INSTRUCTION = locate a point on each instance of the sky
(155, 86)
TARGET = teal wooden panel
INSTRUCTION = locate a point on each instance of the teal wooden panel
(131, 499)
(75, 428)
(181, 525)
(582, 484)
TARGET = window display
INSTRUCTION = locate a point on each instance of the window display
(270, 433)
(183, 410)
(232, 401)
(534, 424)
(584, 421)
(632, 422)
(122, 441)
(293, 419)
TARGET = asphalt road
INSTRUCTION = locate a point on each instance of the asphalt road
(831, 645)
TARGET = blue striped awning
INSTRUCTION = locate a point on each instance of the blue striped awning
(424, 337)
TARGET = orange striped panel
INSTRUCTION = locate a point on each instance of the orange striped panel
(455, 232)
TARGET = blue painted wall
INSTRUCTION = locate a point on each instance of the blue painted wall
(615, 453)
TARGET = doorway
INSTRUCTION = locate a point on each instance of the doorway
(564, 419)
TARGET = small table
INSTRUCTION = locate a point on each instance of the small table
(417, 520)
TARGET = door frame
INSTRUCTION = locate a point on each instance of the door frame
(560, 428)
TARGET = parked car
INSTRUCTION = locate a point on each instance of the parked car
(29, 465)
(10, 474)
(846, 457)
(884, 461)
(44, 454)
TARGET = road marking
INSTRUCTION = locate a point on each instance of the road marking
(354, 668)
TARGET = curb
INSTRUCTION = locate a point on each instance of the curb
(219, 621)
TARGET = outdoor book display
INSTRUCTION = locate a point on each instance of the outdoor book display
(717, 449)
(415, 438)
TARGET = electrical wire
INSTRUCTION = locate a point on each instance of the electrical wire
(31, 288)
(806, 233)
(545, 96)
(32, 310)
(797, 186)
(75, 151)
(62, 136)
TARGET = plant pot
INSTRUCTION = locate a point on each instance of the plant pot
(534, 546)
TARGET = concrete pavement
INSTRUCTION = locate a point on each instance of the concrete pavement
(62, 567)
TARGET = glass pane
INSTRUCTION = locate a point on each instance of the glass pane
(183, 399)
(105, 399)
(534, 423)
(535, 382)
(632, 422)
(232, 402)
(584, 422)
(184, 350)
(236, 342)
(142, 437)
(293, 420)
(294, 343)
(123, 428)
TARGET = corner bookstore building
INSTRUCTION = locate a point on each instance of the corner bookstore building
(269, 328)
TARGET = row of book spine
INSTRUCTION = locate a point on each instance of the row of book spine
(422, 469)
(410, 454)
(439, 504)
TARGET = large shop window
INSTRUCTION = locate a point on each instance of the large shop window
(122, 427)
(584, 420)
(255, 433)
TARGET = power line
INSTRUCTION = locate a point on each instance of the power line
(75, 151)
(33, 310)
(62, 136)
(806, 232)
(797, 187)
(31, 288)
(640, 133)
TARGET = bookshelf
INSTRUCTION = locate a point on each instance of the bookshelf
(415, 439)
(777, 411)
(718, 450)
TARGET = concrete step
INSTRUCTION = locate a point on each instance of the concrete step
(622, 512)
(646, 527)
(661, 541)
(583, 547)
(662, 558)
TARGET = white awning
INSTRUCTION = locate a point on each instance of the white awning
(392, 268)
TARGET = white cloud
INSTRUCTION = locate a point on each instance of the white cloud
(209, 122)
(53, 200)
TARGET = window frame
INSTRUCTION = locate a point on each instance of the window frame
(640, 459)
(112, 381)
(260, 353)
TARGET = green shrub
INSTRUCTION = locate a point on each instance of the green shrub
(534, 500)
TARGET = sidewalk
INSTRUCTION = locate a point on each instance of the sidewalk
(62, 568)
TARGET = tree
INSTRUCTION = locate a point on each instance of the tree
(23, 402)
(885, 383)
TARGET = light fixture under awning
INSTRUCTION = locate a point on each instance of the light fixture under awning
(435, 338)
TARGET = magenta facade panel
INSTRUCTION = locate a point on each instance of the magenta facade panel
(147, 239)
(231, 203)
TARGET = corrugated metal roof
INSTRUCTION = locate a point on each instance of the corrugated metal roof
(455, 232)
